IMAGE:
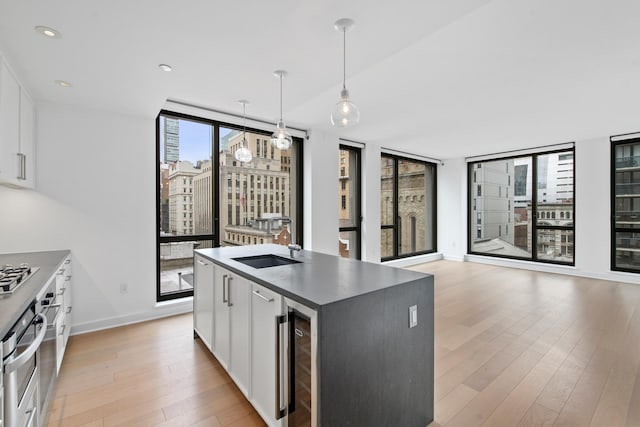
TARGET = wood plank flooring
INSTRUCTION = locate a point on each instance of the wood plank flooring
(513, 348)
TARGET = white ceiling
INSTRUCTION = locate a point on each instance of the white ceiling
(442, 78)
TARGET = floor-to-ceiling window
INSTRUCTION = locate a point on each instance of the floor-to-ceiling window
(625, 205)
(206, 198)
(523, 207)
(349, 204)
(407, 207)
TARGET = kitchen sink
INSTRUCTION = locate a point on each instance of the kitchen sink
(265, 261)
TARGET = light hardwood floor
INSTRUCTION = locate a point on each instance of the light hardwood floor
(513, 348)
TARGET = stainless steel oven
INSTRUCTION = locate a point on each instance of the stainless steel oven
(48, 303)
(20, 369)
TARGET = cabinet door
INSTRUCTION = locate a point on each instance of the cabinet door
(27, 141)
(266, 306)
(238, 289)
(203, 299)
(9, 125)
(221, 325)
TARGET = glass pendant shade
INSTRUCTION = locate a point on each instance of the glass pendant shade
(345, 113)
(281, 139)
(243, 154)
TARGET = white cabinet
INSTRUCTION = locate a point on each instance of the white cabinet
(231, 325)
(266, 306)
(17, 142)
(27, 140)
(63, 324)
(203, 299)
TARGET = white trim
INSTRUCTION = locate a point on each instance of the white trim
(351, 143)
(227, 117)
(524, 152)
(393, 152)
(457, 258)
(160, 310)
(414, 260)
(554, 268)
(624, 137)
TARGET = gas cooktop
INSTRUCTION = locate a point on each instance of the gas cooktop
(13, 276)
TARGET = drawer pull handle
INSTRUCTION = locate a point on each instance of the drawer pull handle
(259, 295)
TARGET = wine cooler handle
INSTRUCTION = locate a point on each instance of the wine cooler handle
(280, 410)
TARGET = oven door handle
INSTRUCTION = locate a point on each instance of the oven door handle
(16, 362)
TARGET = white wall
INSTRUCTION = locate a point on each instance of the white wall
(592, 215)
(452, 205)
(96, 197)
(320, 188)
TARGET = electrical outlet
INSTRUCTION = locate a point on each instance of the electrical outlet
(413, 316)
(124, 288)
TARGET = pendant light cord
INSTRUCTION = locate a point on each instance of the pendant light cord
(244, 124)
(280, 97)
(344, 58)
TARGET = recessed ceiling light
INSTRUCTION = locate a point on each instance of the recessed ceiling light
(49, 32)
(165, 67)
(63, 83)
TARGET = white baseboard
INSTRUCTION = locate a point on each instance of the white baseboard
(418, 259)
(459, 258)
(162, 309)
(554, 268)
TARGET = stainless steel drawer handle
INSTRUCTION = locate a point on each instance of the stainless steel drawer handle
(224, 288)
(69, 309)
(229, 303)
(62, 330)
(32, 414)
(60, 272)
(202, 263)
(258, 294)
(22, 166)
(66, 279)
(62, 291)
(68, 261)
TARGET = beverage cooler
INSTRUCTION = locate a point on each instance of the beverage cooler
(296, 363)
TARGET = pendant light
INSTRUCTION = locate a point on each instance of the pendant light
(281, 139)
(243, 154)
(345, 113)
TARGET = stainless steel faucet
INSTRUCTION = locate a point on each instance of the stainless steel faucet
(292, 246)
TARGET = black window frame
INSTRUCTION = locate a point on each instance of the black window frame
(357, 152)
(615, 142)
(396, 227)
(471, 227)
(215, 235)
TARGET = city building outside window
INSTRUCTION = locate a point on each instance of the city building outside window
(407, 206)
(349, 193)
(522, 220)
(193, 154)
(625, 205)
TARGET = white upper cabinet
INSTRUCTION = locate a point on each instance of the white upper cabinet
(17, 142)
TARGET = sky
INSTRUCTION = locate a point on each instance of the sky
(195, 140)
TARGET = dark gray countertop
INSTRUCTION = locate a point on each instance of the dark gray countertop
(13, 305)
(319, 280)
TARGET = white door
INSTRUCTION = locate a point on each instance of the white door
(266, 306)
(203, 299)
(221, 316)
(27, 140)
(238, 289)
(9, 125)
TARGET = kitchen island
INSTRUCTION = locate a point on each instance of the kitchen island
(368, 329)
